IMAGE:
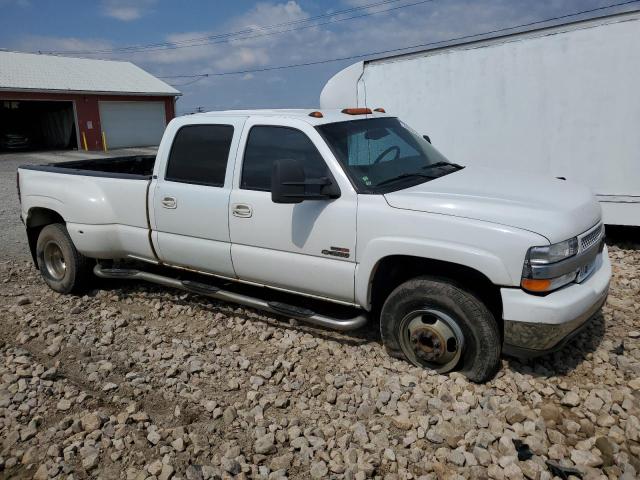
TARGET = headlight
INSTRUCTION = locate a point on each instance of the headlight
(548, 255)
(553, 253)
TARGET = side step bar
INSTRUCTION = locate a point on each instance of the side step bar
(279, 308)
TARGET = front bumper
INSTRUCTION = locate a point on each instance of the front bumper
(536, 325)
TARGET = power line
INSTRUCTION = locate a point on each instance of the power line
(279, 32)
(189, 44)
(189, 82)
(247, 30)
(226, 37)
(395, 50)
(266, 27)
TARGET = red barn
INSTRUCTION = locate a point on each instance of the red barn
(52, 102)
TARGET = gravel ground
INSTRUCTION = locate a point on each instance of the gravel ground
(137, 382)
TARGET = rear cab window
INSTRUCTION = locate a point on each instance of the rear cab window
(199, 155)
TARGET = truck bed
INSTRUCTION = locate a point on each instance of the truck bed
(133, 167)
(102, 201)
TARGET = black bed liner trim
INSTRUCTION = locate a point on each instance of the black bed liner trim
(87, 173)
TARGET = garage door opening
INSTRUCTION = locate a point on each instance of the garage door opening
(37, 125)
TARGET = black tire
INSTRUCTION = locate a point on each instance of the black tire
(62, 267)
(412, 312)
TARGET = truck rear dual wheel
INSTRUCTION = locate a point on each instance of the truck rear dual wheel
(435, 324)
(62, 267)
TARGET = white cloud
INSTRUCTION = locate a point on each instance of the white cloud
(269, 14)
(126, 10)
(239, 53)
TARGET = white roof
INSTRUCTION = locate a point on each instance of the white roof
(49, 73)
(328, 115)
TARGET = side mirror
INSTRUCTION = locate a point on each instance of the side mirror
(290, 185)
(426, 137)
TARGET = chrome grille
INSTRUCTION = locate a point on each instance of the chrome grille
(591, 238)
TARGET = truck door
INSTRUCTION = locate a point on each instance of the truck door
(307, 247)
(191, 197)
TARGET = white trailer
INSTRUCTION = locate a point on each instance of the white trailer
(562, 101)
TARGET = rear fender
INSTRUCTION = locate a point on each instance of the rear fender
(38, 217)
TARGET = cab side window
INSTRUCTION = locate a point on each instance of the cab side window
(199, 155)
(267, 144)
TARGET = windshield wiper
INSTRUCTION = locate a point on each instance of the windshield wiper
(442, 164)
(405, 175)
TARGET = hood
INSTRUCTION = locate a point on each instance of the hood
(554, 208)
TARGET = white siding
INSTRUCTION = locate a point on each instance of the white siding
(566, 104)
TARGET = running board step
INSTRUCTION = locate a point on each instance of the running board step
(198, 287)
(279, 308)
(287, 309)
(118, 272)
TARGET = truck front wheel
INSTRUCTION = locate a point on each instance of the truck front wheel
(62, 267)
(435, 324)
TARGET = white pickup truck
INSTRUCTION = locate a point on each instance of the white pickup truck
(349, 207)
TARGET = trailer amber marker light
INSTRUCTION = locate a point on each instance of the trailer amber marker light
(357, 111)
(316, 115)
(536, 285)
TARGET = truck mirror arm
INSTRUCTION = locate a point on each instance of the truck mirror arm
(289, 184)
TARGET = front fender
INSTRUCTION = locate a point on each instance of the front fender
(485, 262)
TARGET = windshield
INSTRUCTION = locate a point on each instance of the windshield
(383, 154)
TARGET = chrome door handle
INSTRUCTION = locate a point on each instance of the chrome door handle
(241, 210)
(169, 202)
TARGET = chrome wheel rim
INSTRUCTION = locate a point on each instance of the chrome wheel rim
(54, 261)
(432, 339)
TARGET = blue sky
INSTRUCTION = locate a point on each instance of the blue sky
(81, 26)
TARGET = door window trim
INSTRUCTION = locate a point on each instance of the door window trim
(246, 144)
(194, 182)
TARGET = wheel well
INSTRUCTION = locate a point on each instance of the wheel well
(394, 270)
(37, 219)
